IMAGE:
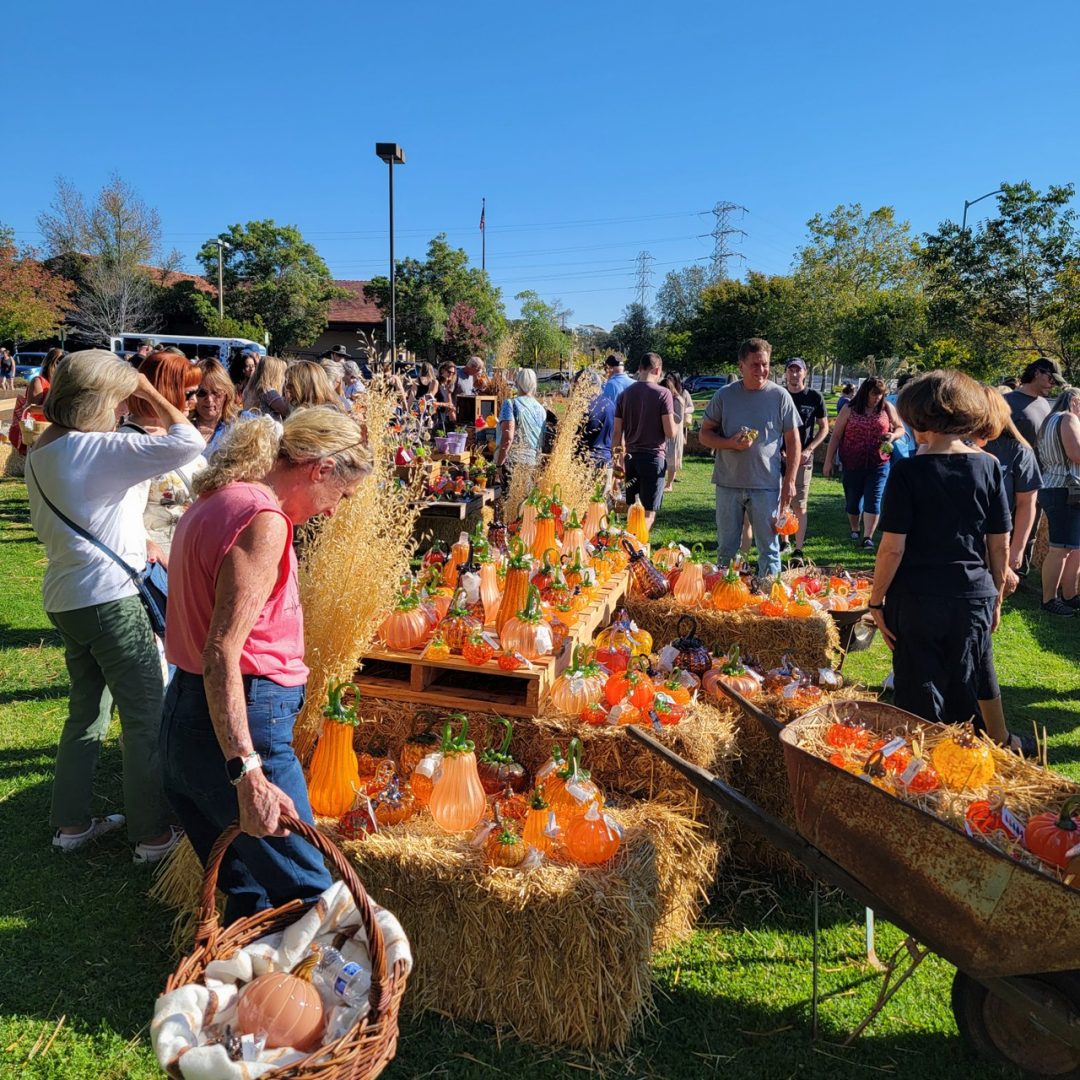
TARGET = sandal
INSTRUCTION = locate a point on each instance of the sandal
(1022, 745)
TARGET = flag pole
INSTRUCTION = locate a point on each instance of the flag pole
(483, 234)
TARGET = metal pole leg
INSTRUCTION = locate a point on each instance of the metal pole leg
(817, 937)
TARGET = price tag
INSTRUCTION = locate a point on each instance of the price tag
(551, 829)
(492, 639)
(1011, 823)
(915, 766)
(893, 745)
(613, 825)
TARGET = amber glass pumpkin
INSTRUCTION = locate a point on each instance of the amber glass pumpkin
(544, 536)
(595, 513)
(573, 540)
(497, 768)
(1051, 836)
(459, 557)
(457, 799)
(477, 650)
(622, 633)
(422, 778)
(785, 523)
(490, 596)
(539, 824)
(395, 803)
(333, 775)
(458, 623)
(591, 839)
(527, 632)
(779, 592)
(516, 587)
(689, 588)
(731, 592)
(691, 655)
(962, 761)
(799, 607)
(635, 522)
(571, 797)
(504, 848)
(285, 1005)
(848, 734)
(580, 684)
(406, 626)
(648, 581)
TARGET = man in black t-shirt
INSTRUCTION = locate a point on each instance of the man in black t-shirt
(810, 406)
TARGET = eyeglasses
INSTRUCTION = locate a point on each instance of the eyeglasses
(201, 393)
(189, 394)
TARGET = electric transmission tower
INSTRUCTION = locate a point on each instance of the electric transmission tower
(721, 234)
(644, 278)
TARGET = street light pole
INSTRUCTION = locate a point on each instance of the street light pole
(221, 244)
(393, 155)
(972, 202)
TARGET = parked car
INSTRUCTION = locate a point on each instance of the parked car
(706, 384)
(555, 383)
(28, 365)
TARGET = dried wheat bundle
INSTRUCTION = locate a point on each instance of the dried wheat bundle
(567, 465)
(352, 567)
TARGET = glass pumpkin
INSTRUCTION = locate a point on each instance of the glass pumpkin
(596, 513)
(544, 536)
(962, 761)
(580, 684)
(333, 775)
(622, 633)
(691, 655)
(1051, 836)
(285, 1005)
(516, 587)
(730, 593)
(573, 540)
(731, 671)
(689, 588)
(457, 801)
(459, 557)
(395, 803)
(540, 829)
(647, 579)
(527, 532)
(477, 650)
(527, 632)
(458, 623)
(575, 790)
(635, 522)
(504, 848)
(406, 626)
(497, 768)
(592, 839)
(490, 596)
(422, 778)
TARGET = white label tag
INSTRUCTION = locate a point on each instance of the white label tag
(492, 639)
(790, 690)
(551, 829)
(1011, 823)
(613, 825)
(915, 766)
(577, 792)
(893, 745)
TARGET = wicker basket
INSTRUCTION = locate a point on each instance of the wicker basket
(370, 1046)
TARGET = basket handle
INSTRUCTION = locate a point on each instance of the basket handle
(208, 925)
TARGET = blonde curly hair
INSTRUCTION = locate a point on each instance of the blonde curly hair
(250, 450)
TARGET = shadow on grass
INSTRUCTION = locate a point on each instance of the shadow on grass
(19, 637)
(36, 693)
(80, 936)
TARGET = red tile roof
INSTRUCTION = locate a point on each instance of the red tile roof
(355, 308)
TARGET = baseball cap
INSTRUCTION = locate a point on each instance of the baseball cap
(795, 361)
(1044, 363)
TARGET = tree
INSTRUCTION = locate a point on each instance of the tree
(274, 278)
(32, 300)
(114, 299)
(428, 291)
(886, 323)
(635, 334)
(678, 296)
(463, 334)
(542, 338)
(184, 307)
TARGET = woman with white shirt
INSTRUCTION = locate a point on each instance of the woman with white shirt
(97, 478)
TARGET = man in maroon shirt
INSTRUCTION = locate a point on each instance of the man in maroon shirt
(644, 421)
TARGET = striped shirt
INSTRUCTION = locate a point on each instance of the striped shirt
(1056, 465)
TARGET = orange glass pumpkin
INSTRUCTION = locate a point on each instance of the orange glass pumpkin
(406, 626)
(581, 683)
(516, 586)
(785, 523)
(732, 672)
(539, 824)
(1051, 836)
(731, 592)
(576, 791)
(504, 848)
(459, 556)
(573, 540)
(689, 588)
(457, 800)
(477, 650)
(591, 839)
(490, 596)
(527, 532)
(799, 607)
(458, 624)
(285, 1005)
(333, 775)
(527, 632)
(544, 537)
(596, 513)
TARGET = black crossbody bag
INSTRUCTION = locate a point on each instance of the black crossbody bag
(152, 581)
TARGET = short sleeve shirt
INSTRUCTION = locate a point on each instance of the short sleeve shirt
(945, 505)
(1028, 413)
(642, 407)
(771, 412)
(810, 406)
(1019, 469)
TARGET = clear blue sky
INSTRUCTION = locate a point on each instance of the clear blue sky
(595, 130)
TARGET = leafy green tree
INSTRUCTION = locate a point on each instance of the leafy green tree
(635, 334)
(32, 300)
(540, 332)
(428, 291)
(678, 296)
(885, 323)
(273, 277)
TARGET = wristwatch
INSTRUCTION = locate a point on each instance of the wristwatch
(238, 767)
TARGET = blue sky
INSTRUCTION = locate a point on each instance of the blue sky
(595, 130)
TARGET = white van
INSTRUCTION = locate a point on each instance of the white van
(194, 348)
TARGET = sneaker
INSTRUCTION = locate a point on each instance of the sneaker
(148, 854)
(98, 827)
(1073, 602)
(868, 543)
(1059, 607)
(854, 536)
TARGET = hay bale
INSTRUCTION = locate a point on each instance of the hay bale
(14, 464)
(559, 954)
(810, 643)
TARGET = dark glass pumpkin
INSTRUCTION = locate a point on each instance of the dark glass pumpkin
(650, 582)
(692, 654)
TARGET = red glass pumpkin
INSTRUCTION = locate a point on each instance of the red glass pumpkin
(1050, 836)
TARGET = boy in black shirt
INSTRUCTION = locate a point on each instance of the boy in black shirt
(810, 406)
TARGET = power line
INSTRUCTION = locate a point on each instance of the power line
(721, 234)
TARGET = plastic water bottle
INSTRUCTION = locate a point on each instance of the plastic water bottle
(343, 981)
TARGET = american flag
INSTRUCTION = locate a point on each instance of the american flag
(483, 210)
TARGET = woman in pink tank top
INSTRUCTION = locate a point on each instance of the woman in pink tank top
(235, 632)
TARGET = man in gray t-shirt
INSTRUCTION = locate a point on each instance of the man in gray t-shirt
(746, 424)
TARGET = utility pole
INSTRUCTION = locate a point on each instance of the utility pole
(221, 245)
(721, 234)
(644, 278)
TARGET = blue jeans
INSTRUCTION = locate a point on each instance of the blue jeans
(863, 489)
(761, 506)
(256, 873)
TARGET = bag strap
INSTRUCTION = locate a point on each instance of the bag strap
(79, 530)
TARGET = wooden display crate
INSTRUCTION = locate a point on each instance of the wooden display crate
(457, 684)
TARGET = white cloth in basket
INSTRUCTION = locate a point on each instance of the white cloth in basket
(181, 1016)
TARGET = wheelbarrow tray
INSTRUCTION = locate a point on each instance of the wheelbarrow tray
(990, 916)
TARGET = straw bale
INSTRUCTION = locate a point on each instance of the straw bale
(558, 954)
(810, 643)
(14, 464)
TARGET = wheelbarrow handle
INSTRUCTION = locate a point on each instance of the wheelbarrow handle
(771, 725)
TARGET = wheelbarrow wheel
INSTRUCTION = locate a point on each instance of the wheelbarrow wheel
(997, 1031)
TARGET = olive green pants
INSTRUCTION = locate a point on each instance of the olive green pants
(111, 655)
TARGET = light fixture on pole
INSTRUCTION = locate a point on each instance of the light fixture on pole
(393, 155)
(221, 245)
(972, 202)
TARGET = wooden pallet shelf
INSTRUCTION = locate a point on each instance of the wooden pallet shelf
(456, 684)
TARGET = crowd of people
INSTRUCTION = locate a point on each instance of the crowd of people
(203, 471)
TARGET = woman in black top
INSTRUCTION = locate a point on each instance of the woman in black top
(940, 571)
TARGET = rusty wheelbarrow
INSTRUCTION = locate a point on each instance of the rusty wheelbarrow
(1012, 933)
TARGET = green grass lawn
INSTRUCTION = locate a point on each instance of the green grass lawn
(80, 940)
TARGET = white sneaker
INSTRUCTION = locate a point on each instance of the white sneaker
(148, 854)
(98, 827)
(888, 683)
